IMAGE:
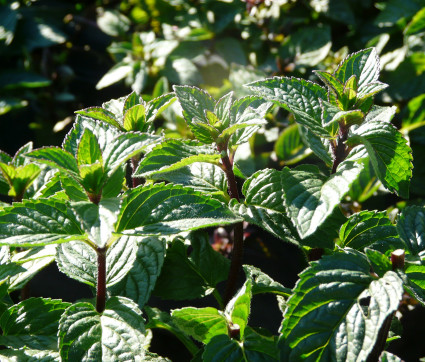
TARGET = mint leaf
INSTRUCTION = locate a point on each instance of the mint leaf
(262, 283)
(222, 348)
(172, 155)
(31, 261)
(79, 260)
(195, 102)
(311, 197)
(134, 119)
(365, 228)
(32, 323)
(264, 204)
(201, 324)
(364, 65)
(201, 176)
(350, 319)
(289, 147)
(103, 132)
(30, 355)
(37, 223)
(55, 157)
(298, 96)
(98, 221)
(157, 105)
(172, 209)
(100, 114)
(411, 228)
(141, 278)
(239, 307)
(116, 335)
(389, 154)
(88, 149)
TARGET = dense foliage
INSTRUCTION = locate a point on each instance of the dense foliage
(228, 136)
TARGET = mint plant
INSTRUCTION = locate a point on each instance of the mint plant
(121, 208)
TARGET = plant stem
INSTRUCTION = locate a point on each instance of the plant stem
(339, 149)
(101, 279)
(218, 298)
(237, 253)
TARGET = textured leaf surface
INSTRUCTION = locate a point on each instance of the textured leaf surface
(363, 64)
(239, 307)
(172, 155)
(38, 222)
(32, 323)
(170, 209)
(262, 283)
(115, 335)
(411, 228)
(337, 310)
(222, 348)
(141, 278)
(100, 114)
(289, 146)
(366, 227)
(389, 154)
(30, 355)
(79, 261)
(200, 176)
(264, 204)
(200, 323)
(311, 197)
(98, 221)
(298, 96)
(31, 261)
(56, 158)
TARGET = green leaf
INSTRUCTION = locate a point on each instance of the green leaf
(411, 228)
(415, 114)
(172, 209)
(24, 322)
(19, 178)
(222, 348)
(88, 149)
(319, 146)
(125, 146)
(289, 147)
(32, 261)
(262, 283)
(116, 335)
(160, 319)
(365, 228)
(310, 197)
(118, 72)
(157, 105)
(201, 324)
(194, 277)
(100, 114)
(222, 109)
(55, 157)
(30, 355)
(239, 307)
(194, 102)
(174, 154)
(37, 223)
(73, 189)
(414, 280)
(103, 132)
(298, 96)
(15, 79)
(351, 304)
(131, 100)
(258, 347)
(366, 184)
(98, 221)
(141, 278)
(79, 260)
(389, 154)
(134, 118)
(380, 262)
(201, 176)
(364, 65)
(394, 10)
(264, 204)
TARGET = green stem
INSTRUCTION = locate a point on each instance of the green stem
(101, 280)
(237, 253)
